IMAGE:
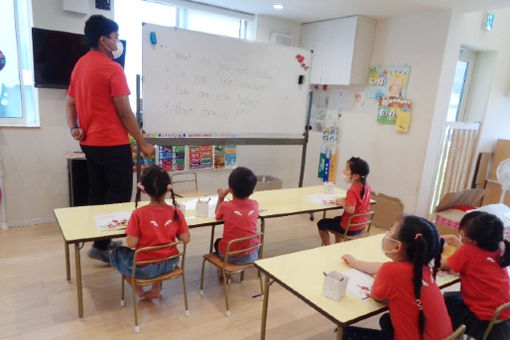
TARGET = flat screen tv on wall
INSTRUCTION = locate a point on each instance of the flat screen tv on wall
(55, 54)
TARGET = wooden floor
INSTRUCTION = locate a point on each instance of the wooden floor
(38, 303)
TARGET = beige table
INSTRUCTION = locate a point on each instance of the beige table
(302, 274)
(77, 223)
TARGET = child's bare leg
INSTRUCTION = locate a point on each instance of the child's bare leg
(339, 238)
(155, 291)
(324, 234)
(138, 289)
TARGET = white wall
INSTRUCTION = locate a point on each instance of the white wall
(465, 29)
(397, 159)
(267, 24)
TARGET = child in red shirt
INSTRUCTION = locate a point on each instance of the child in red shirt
(154, 224)
(480, 260)
(357, 201)
(239, 216)
(416, 306)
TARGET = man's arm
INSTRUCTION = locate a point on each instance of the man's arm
(72, 119)
(128, 120)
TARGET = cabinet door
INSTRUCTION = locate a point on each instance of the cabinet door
(311, 37)
(339, 37)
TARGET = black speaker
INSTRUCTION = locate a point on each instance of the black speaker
(78, 181)
(103, 4)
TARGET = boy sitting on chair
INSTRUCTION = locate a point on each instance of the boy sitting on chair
(239, 216)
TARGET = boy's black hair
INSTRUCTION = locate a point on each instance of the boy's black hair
(487, 230)
(242, 181)
(359, 167)
(422, 245)
(155, 181)
(96, 27)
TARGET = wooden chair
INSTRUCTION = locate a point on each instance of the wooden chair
(229, 268)
(185, 177)
(494, 320)
(178, 272)
(458, 334)
(364, 233)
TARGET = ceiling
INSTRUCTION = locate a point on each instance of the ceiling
(314, 10)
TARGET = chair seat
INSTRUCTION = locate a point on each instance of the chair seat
(229, 267)
(176, 273)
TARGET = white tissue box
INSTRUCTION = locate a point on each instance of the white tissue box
(329, 187)
(202, 208)
(335, 285)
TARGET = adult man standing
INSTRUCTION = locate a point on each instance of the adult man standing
(99, 116)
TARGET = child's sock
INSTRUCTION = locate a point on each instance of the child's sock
(154, 293)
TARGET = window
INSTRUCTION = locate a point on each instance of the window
(18, 98)
(461, 85)
(130, 14)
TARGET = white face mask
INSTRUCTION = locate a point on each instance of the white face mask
(382, 245)
(118, 52)
(346, 179)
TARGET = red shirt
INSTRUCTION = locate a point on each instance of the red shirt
(95, 80)
(361, 205)
(394, 282)
(240, 220)
(156, 225)
(484, 284)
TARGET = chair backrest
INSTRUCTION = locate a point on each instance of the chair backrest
(185, 177)
(367, 223)
(181, 253)
(495, 320)
(458, 334)
(248, 248)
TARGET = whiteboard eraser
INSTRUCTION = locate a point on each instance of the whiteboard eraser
(154, 41)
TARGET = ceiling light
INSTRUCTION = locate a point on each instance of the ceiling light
(278, 6)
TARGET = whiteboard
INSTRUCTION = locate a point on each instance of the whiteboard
(201, 83)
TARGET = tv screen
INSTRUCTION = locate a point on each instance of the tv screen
(55, 54)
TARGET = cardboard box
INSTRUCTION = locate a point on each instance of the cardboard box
(387, 209)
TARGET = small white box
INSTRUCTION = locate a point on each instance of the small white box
(335, 285)
(202, 208)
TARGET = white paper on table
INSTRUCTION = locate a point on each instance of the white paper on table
(359, 284)
(323, 199)
(115, 221)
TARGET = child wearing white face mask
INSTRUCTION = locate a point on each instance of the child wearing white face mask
(356, 201)
(407, 283)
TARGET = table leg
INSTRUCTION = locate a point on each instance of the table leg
(263, 230)
(264, 308)
(68, 265)
(212, 238)
(79, 288)
(340, 333)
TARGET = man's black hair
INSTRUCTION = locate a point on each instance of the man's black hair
(98, 26)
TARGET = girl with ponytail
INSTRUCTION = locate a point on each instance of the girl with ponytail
(416, 307)
(480, 260)
(153, 224)
(356, 201)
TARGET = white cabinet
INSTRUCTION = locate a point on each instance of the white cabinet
(342, 49)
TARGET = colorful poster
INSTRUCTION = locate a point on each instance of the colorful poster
(388, 81)
(390, 108)
(328, 156)
(200, 157)
(230, 156)
(404, 119)
(144, 161)
(219, 156)
(179, 156)
(165, 157)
